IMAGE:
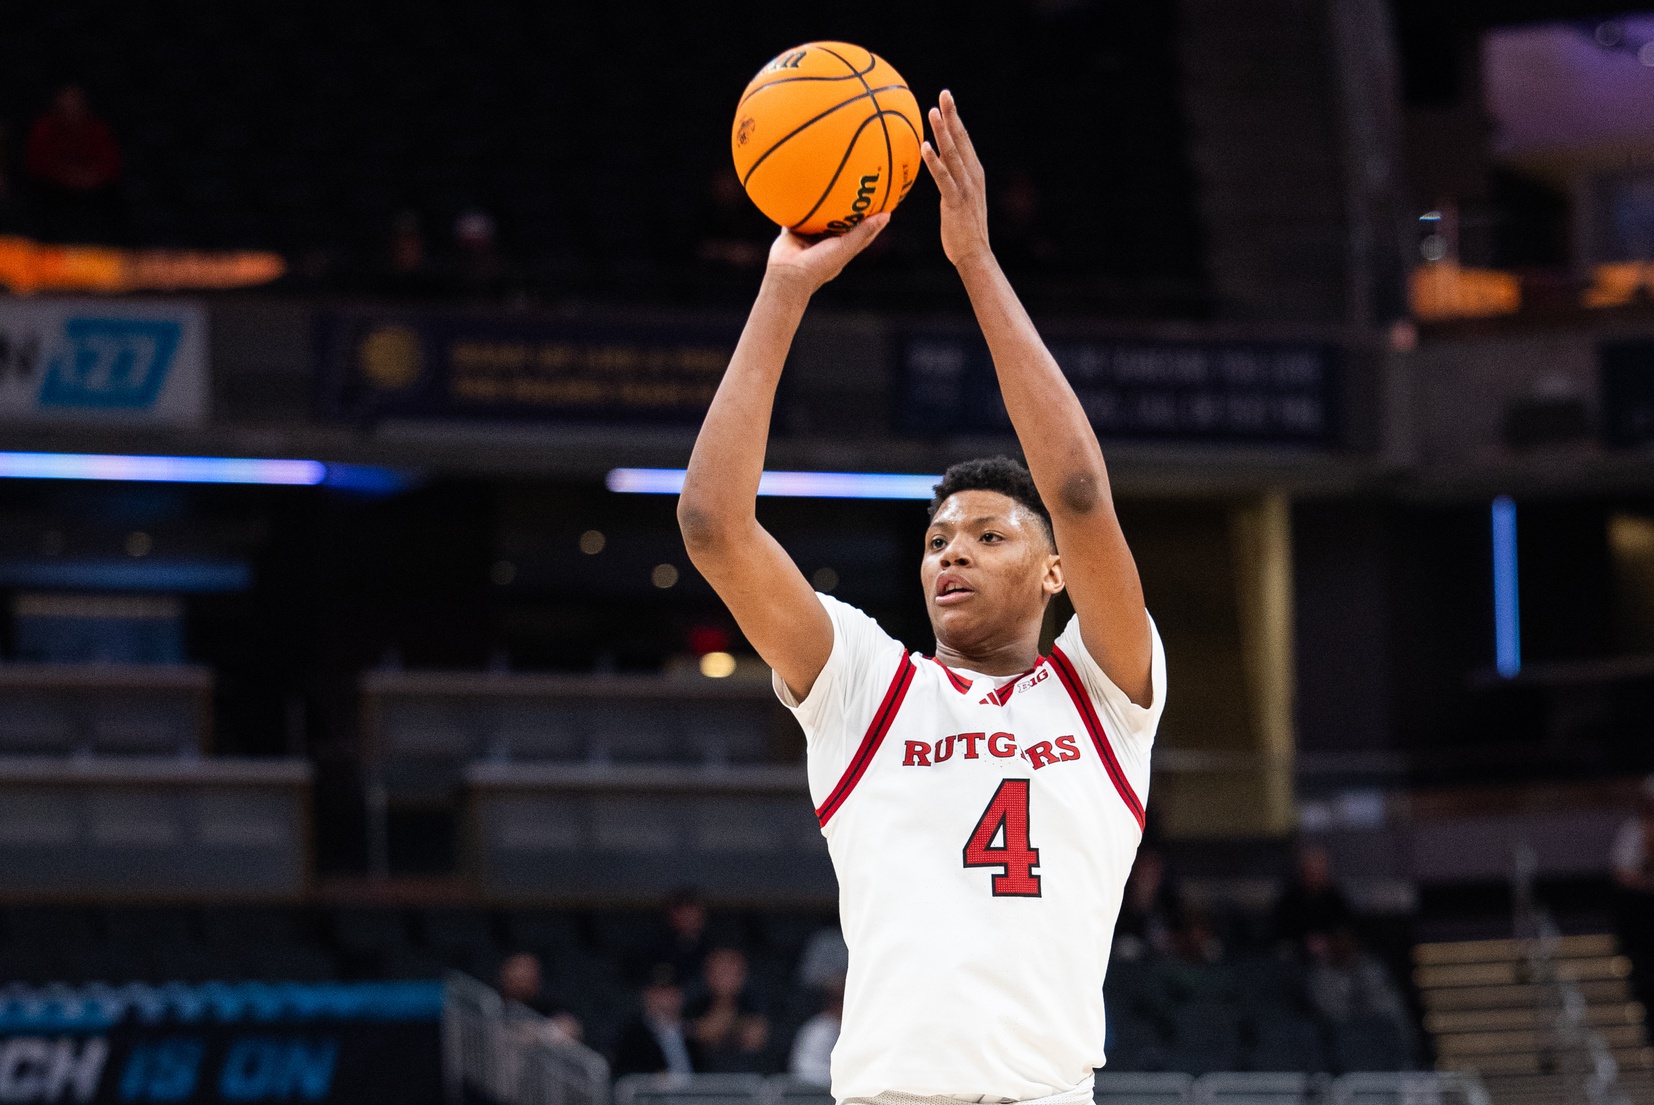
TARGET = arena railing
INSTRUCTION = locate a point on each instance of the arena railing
(498, 1051)
(1112, 1088)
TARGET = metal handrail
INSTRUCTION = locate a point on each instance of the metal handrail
(506, 1053)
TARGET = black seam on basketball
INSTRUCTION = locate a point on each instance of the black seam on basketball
(812, 122)
(871, 64)
(889, 157)
(854, 138)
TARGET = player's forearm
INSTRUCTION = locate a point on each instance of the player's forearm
(720, 490)
(1062, 451)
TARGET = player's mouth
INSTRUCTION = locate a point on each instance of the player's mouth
(951, 590)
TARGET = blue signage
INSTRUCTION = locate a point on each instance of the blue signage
(222, 1042)
(110, 363)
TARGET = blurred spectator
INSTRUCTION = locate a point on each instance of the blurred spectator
(655, 1043)
(825, 959)
(813, 1045)
(725, 1021)
(1312, 903)
(683, 941)
(734, 233)
(408, 270)
(1346, 982)
(1195, 941)
(1632, 859)
(478, 266)
(1148, 911)
(74, 163)
(522, 980)
(1020, 238)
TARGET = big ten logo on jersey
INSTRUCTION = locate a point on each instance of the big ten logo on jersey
(1000, 746)
(110, 363)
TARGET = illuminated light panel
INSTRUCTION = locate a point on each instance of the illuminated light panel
(798, 485)
(1507, 614)
(163, 469)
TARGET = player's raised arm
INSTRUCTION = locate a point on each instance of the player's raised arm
(773, 604)
(1063, 455)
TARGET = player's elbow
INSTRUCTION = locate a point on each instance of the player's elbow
(703, 531)
(1083, 492)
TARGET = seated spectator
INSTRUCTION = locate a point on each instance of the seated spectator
(74, 163)
(825, 959)
(1347, 982)
(479, 269)
(1148, 911)
(1311, 904)
(812, 1055)
(408, 270)
(725, 1021)
(655, 1042)
(683, 940)
(1632, 860)
(522, 980)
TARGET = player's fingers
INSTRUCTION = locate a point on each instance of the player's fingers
(947, 145)
(939, 173)
(863, 234)
(941, 136)
(956, 128)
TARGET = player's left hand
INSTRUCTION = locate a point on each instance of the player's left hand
(954, 166)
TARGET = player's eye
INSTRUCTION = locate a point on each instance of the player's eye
(992, 536)
(936, 543)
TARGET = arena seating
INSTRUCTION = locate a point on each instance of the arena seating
(1248, 1014)
(97, 709)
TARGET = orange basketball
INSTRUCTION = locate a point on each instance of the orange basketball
(826, 135)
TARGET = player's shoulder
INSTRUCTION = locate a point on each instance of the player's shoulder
(1076, 663)
(853, 625)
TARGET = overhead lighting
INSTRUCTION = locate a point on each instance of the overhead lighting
(798, 485)
(165, 469)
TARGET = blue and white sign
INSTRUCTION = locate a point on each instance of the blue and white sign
(103, 360)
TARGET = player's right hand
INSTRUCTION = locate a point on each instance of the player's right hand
(813, 262)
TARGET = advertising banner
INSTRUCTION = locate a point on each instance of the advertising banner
(447, 365)
(1281, 394)
(222, 1042)
(96, 360)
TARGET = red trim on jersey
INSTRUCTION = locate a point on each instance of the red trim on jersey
(876, 729)
(1003, 695)
(960, 685)
(1064, 668)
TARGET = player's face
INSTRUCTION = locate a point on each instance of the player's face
(988, 570)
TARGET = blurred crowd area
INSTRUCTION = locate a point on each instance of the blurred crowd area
(511, 153)
(688, 989)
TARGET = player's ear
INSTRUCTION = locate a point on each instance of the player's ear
(1053, 583)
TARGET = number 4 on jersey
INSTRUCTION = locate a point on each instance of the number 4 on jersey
(1006, 819)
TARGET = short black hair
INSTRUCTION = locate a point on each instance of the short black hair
(1003, 474)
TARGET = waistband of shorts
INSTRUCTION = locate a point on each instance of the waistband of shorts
(1077, 1095)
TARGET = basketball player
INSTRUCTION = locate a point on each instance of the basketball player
(982, 806)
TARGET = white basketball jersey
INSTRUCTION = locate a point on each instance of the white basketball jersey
(982, 830)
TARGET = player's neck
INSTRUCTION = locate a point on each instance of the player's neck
(1009, 658)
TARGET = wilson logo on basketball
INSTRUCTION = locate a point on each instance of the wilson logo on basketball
(859, 206)
(744, 129)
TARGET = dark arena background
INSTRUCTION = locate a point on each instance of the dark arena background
(366, 735)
